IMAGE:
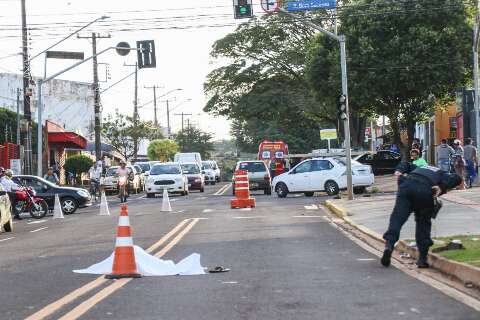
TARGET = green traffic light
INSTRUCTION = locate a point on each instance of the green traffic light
(243, 10)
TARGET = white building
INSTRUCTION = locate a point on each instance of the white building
(68, 103)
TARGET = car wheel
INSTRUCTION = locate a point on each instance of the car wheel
(282, 190)
(69, 205)
(331, 187)
(309, 194)
(359, 190)
(150, 195)
(214, 183)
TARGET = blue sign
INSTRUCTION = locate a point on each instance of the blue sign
(306, 5)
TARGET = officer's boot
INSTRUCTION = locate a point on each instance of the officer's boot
(387, 254)
(422, 261)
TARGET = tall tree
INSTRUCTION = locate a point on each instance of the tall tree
(192, 139)
(403, 57)
(162, 150)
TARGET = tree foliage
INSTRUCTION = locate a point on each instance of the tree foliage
(403, 57)
(263, 88)
(192, 139)
(120, 131)
(78, 164)
(162, 150)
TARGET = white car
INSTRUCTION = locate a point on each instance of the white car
(208, 172)
(322, 174)
(166, 176)
(217, 170)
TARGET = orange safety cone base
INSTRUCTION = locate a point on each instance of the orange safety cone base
(242, 203)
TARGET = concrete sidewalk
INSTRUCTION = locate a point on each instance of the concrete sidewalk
(459, 215)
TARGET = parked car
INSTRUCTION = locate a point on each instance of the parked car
(145, 166)
(6, 223)
(166, 176)
(70, 198)
(209, 172)
(188, 157)
(322, 174)
(194, 175)
(110, 183)
(258, 176)
(383, 161)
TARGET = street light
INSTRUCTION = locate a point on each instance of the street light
(39, 109)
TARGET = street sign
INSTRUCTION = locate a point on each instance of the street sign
(146, 54)
(307, 5)
(270, 6)
(328, 134)
(123, 48)
(65, 55)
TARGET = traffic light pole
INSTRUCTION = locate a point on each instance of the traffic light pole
(343, 62)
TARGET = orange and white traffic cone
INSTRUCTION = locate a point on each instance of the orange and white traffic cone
(124, 265)
(242, 191)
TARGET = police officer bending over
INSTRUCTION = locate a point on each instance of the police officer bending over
(418, 190)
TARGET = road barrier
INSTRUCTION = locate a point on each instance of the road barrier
(124, 265)
(242, 191)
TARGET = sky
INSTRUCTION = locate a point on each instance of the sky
(184, 32)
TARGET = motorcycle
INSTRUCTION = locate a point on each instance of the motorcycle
(27, 201)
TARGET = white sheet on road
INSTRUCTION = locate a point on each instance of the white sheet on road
(148, 265)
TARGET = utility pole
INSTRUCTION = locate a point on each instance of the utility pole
(169, 128)
(135, 110)
(155, 87)
(18, 115)
(26, 92)
(183, 115)
(476, 27)
(96, 93)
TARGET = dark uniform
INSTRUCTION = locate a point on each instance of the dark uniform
(415, 194)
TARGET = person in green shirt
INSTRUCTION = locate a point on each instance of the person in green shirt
(416, 159)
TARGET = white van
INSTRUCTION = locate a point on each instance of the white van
(188, 157)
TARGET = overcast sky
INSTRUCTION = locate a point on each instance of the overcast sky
(184, 32)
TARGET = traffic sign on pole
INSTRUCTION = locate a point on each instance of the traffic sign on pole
(270, 6)
(306, 5)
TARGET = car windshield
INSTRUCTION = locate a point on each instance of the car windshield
(252, 166)
(164, 169)
(191, 168)
(206, 165)
(340, 161)
(111, 171)
(144, 166)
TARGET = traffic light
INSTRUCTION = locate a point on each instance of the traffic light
(242, 9)
(146, 54)
(342, 107)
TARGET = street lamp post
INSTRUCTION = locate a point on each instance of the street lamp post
(39, 94)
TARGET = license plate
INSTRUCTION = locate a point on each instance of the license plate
(254, 185)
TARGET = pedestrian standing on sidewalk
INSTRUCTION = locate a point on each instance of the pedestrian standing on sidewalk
(444, 153)
(417, 193)
(417, 160)
(459, 162)
(470, 155)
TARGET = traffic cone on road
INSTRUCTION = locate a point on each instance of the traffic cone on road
(242, 191)
(124, 265)
(166, 207)
(57, 209)
(104, 211)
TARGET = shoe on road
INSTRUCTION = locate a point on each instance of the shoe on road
(387, 255)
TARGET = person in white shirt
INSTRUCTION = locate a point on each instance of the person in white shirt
(10, 187)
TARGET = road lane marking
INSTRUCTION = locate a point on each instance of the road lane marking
(312, 207)
(246, 209)
(85, 306)
(222, 190)
(307, 217)
(37, 222)
(207, 210)
(40, 229)
(60, 303)
(6, 239)
(201, 198)
(366, 259)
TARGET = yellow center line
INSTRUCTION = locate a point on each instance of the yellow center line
(58, 304)
(85, 306)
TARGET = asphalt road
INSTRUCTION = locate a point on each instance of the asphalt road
(286, 261)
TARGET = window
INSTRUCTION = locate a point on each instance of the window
(35, 185)
(320, 165)
(252, 166)
(164, 169)
(304, 167)
(191, 168)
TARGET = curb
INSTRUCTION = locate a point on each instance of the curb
(465, 273)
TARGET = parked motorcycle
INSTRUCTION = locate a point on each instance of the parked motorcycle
(27, 201)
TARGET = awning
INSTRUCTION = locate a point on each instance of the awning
(68, 139)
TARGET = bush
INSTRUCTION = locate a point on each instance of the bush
(162, 150)
(78, 164)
